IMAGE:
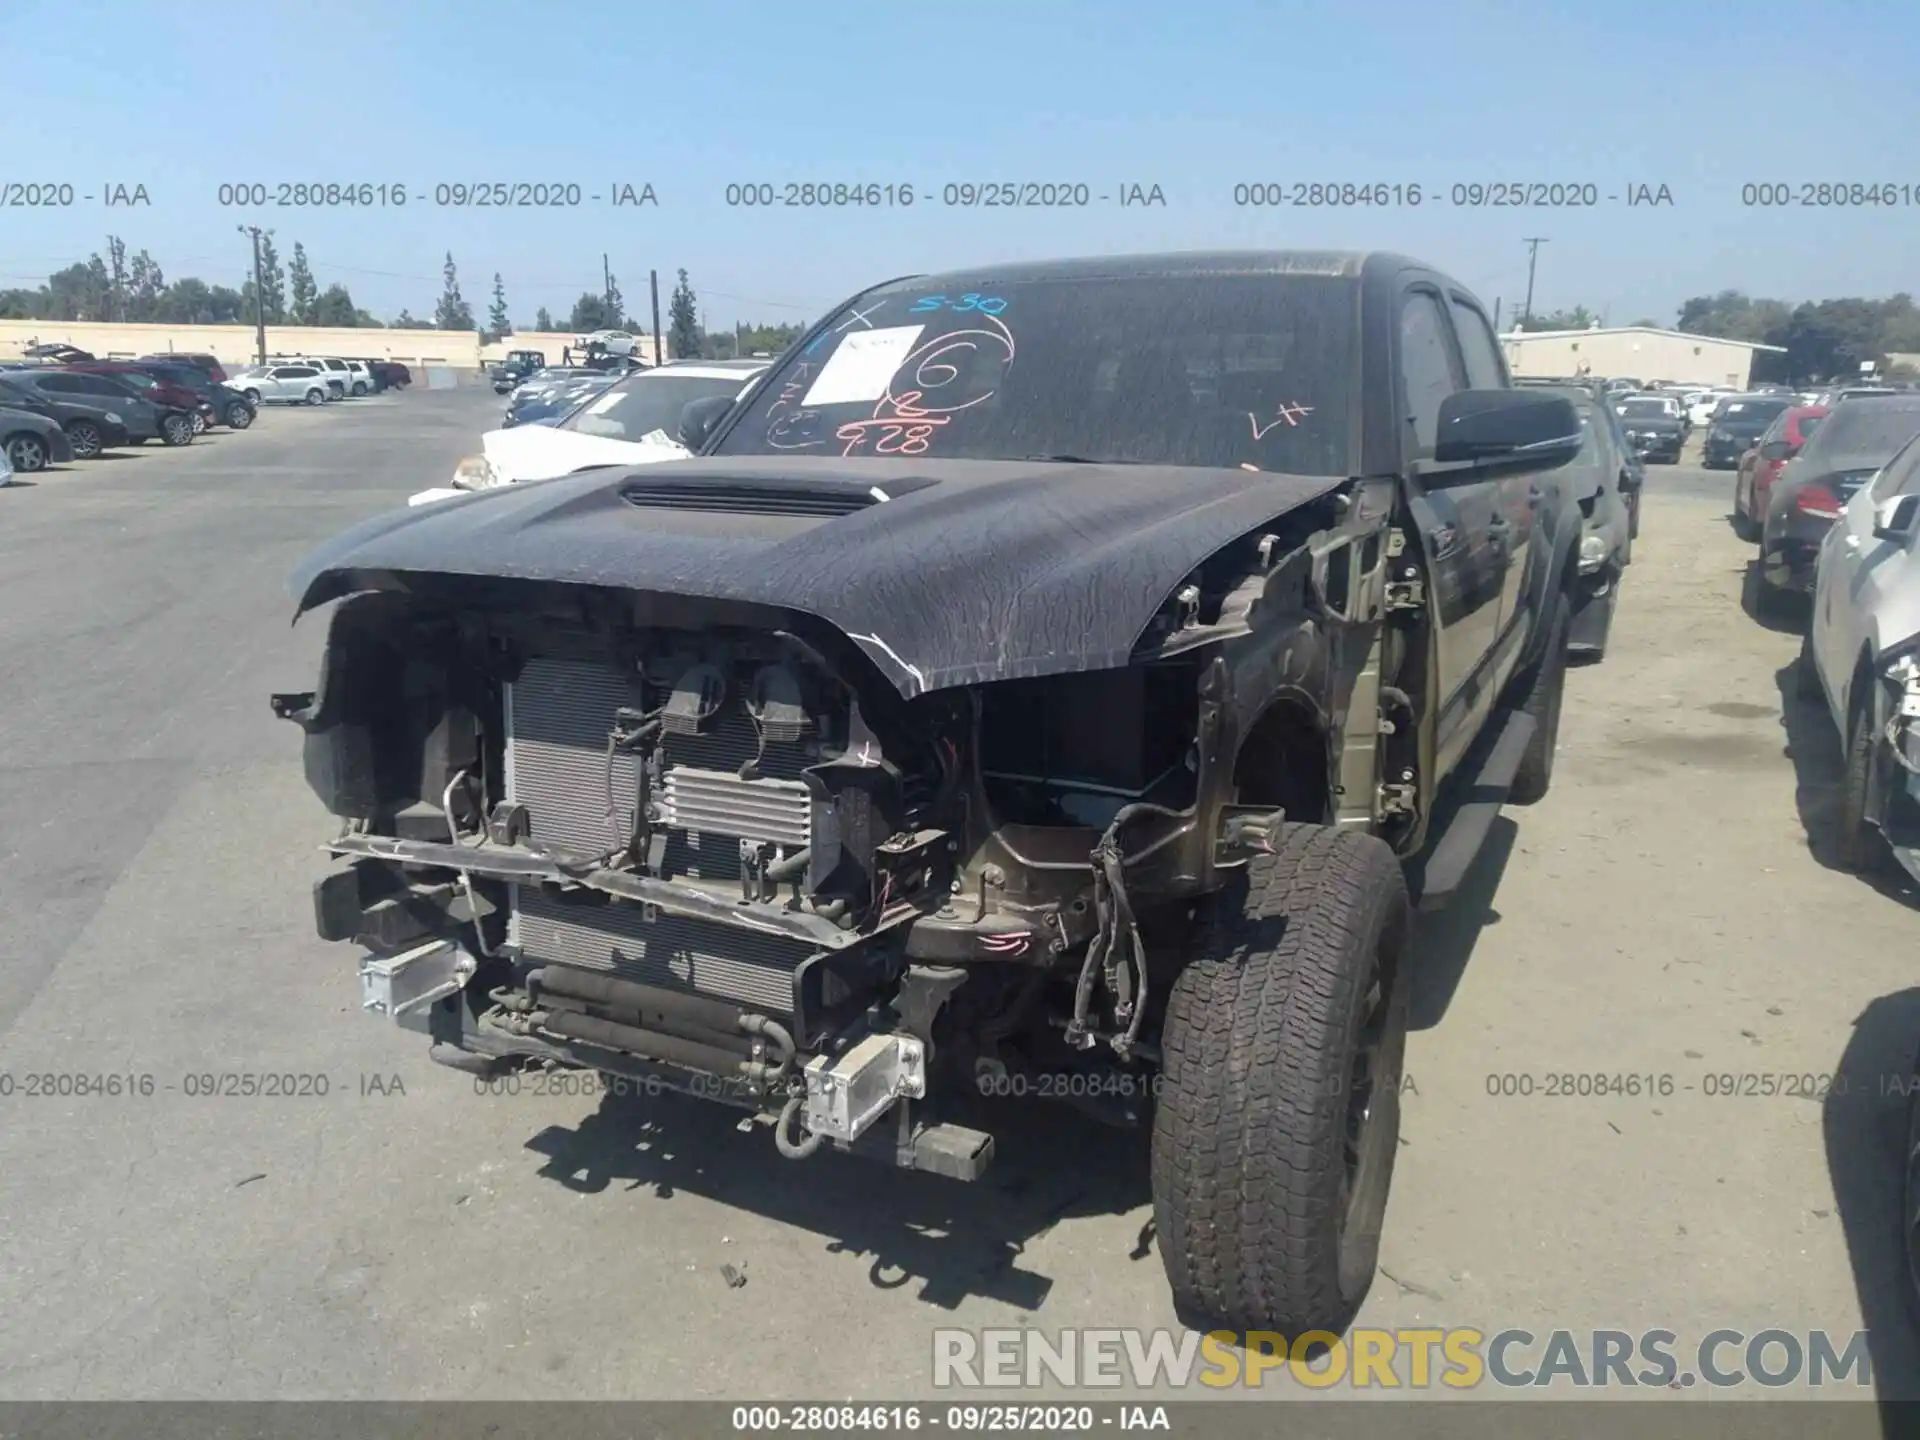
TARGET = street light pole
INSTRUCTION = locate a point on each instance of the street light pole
(259, 296)
(1533, 242)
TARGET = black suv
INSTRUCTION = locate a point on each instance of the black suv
(1052, 679)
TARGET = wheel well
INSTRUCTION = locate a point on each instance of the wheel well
(1283, 762)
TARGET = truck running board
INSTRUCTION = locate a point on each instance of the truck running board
(1478, 799)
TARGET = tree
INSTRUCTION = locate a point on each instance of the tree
(334, 306)
(683, 322)
(145, 286)
(616, 306)
(1648, 323)
(20, 304)
(1578, 318)
(225, 306)
(405, 321)
(117, 278)
(497, 320)
(305, 292)
(273, 286)
(590, 313)
(542, 321)
(452, 313)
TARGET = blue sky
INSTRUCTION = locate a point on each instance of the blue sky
(1193, 97)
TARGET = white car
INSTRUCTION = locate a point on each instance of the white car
(635, 421)
(614, 342)
(1702, 403)
(6, 468)
(293, 384)
(1862, 656)
(338, 377)
(361, 382)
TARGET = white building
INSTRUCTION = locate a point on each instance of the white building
(1641, 352)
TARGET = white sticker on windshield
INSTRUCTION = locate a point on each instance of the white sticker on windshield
(604, 403)
(858, 371)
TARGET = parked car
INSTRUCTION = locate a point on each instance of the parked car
(214, 369)
(614, 342)
(1761, 465)
(1862, 656)
(98, 412)
(289, 384)
(1853, 442)
(518, 365)
(635, 421)
(30, 439)
(360, 378)
(392, 372)
(229, 407)
(1735, 427)
(1702, 405)
(55, 353)
(168, 394)
(1653, 426)
(1606, 480)
(552, 394)
(333, 372)
(957, 679)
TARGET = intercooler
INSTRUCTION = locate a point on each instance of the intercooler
(559, 714)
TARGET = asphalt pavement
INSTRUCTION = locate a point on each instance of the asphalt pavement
(384, 1231)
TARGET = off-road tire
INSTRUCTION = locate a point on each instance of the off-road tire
(1542, 692)
(1858, 845)
(87, 440)
(1297, 966)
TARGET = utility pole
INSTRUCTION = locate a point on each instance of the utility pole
(653, 283)
(606, 289)
(259, 296)
(1496, 314)
(1533, 243)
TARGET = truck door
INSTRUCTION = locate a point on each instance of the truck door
(1517, 499)
(1465, 550)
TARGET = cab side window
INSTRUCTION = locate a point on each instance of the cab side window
(1478, 349)
(1427, 374)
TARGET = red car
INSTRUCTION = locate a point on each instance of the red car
(161, 392)
(215, 371)
(1761, 466)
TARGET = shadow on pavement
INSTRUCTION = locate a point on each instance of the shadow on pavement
(1446, 938)
(1865, 1125)
(1783, 612)
(955, 1239)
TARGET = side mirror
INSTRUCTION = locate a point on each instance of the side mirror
(701, 418)
(1490, 433)
(1776, 450)
(1897, 519)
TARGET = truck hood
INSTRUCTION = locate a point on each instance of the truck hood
(944, 572)
(540, 452)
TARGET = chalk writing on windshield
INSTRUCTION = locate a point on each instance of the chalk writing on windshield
(788, 426)
(985, 304)
(1289, 414)
(951, 372)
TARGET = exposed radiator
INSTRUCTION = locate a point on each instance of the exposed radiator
(558, 716)
(616, 938)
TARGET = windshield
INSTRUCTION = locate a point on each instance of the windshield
(647, 402)
(1752, 413)
(1644, 409)
(1860, 433)
(1200, 369)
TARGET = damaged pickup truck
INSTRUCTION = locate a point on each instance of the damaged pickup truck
(1068, 670)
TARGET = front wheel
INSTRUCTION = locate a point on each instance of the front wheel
(177, 430)
(26, 453)
(1279, 1113)
(1858, 843)
(253, 397)
(199, 423)
(239, 415)
(316, 396)
(87, 443)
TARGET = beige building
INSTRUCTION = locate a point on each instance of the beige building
(1640, 352)
(234, 345)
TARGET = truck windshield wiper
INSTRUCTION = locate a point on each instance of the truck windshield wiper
(1076, 460)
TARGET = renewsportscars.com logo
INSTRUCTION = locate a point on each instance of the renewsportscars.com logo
(1369, 1359)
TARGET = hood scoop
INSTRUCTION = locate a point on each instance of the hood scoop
(823, 500)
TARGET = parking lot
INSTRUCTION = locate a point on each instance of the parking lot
(1666, 912)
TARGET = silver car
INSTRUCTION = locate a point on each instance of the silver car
(289, 384)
